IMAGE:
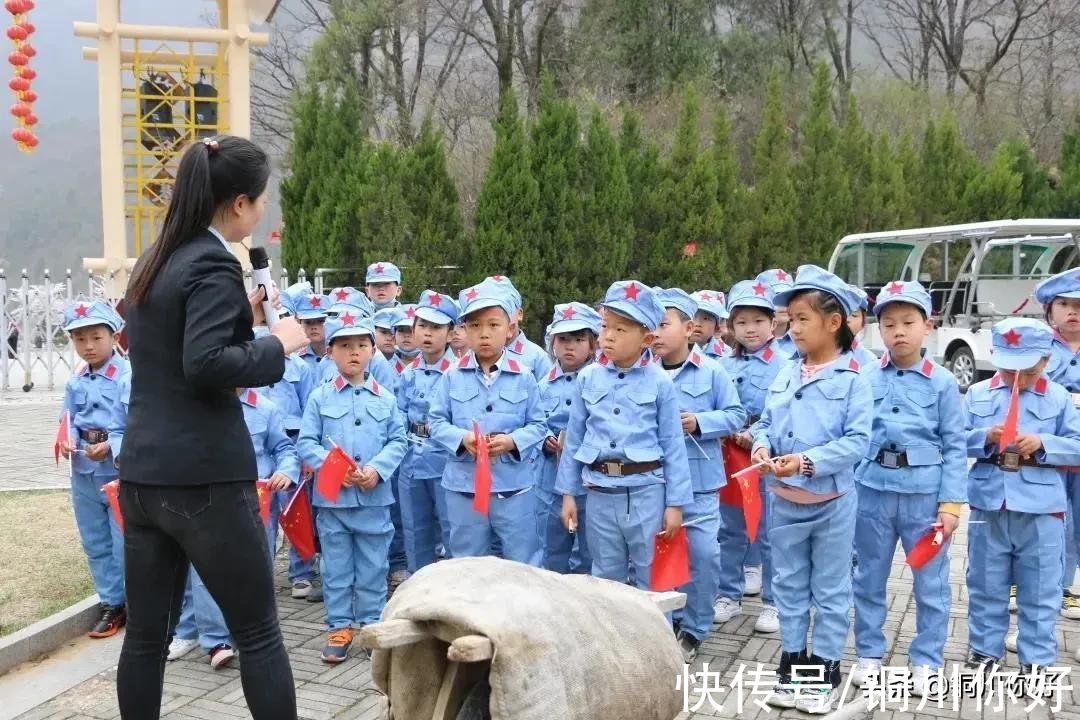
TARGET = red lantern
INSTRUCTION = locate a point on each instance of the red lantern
(18, 84)
(17, 58)
(28, 27)
(17, 32)
(32, 141)
(26, 72)
(14, 6)
(20, 134)
(28, 96)
(30, 120)
(28, 50)
(28, 5)
(20, 110)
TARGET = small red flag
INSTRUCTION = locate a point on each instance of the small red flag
(63, 434)
(112, 493)
(262, 487)
(924, 550)
(735, 460)
(332, 473)
(1012, 417)
(749, 482)
(482, 476)
(671, 562)
(296, 522)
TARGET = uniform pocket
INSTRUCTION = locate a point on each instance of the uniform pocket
(982, 408)
(593, 396)
(378, 411)
(463, 394)
(514, 396)
(694, 390)
(642, 397)
(923, 400)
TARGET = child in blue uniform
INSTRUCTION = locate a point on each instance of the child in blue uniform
(910, 480)
(624, 442)
(857, 323)
(349, 314)
(95, 402)
(1060, 296)
(574, 330)
(778, 280)
(815, 428)
(361, 417)
(753, 364)
(383, 284)
(489, 386)
(385, 321)
(311, 310)
(710, 410)
(710, 323)
(1017, 497)
(405, 350)
(525, 351)
(423, 500)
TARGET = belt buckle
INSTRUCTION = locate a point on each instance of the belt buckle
(613, 469)
(1010, 461)
(890, 460)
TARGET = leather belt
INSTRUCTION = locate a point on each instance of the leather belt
(500, 495)
(1010, 461)
(93, 435)
(422, 430)
(892, 460)
(617, 468)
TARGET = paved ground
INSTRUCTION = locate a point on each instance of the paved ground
(196, 692)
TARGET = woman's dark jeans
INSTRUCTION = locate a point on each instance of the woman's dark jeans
(218, 530)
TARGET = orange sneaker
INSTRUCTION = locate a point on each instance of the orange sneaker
(112, 619)
(337, 646)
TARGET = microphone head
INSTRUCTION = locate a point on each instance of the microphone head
(259, 259)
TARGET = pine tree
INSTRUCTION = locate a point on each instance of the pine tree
(775, 229)
(994, 191)
(641, 161)
(1066, 197)
(730, 196)
(947, 168)
(383, 218)
(888, 203)
(296, 243)
(856, 154)
(1035, 195)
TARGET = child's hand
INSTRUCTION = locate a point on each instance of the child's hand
(689, 422)
(352, 478)
(743, 440)
(66, 449)
(501, 445)
(1028, 444)
(788, 465)
(672, 521)
(551, 445)
(98, 451)
(569, 513)
(369, 478)
(278, 481)
(948, 523)
(761, 455)
(469, 443)
(993, 435)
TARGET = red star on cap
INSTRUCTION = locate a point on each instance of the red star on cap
(632, 291)
(1012, 338)
(568, 314)
(434, 299)
(347, 319)
(378, 269)
(759, 289)
(498, 278)
(706, 297)
(342, 294)
(781, 275)
(895, 288)
(471, 294)
(410, 313)
(316, 301)
(81, 310)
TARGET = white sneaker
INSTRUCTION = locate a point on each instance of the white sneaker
(301, 588)
(928, 683)
(782, 696)
(726, 609)
(180, 647)
(221, 656)
(1010, 641)
(864, 670)
(818, 701)
(752, 580)
(768, 621)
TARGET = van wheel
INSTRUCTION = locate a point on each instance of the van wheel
(962, 365)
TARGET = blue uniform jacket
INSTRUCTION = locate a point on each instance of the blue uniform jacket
(916, 411)
(274, 450)
(786, 347)
(705, 389)
(511, 404)
(425, 458)
(828, 419)
(1047, 410)
(716, 349)
(864, 357)
(531, 355)
(753, 373)
(365, 422)
(629, 415)
(1064, 365)
(291, 393)
(98, 400)
(557, 391)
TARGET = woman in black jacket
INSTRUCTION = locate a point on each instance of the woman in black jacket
(187, 465)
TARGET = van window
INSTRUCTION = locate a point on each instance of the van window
(999, 261)
(883, 262)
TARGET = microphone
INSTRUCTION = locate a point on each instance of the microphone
(260, 272)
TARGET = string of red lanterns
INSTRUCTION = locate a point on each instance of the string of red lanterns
(23, 110)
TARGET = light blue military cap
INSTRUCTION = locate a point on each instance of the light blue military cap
(1064, 284)
(380, 272)
(387, 318)
(911, 293)
(406, 315)
(347, 325)
(311, 306)
(485, 295)
(812, 277)
(678, 299)
(437, 308)
(506, 285)
(1019, 343)
(636, 301)
(572, 317)
(87, 313)
(712, 302)
(750, 293)
(353, 298)
(777, 279)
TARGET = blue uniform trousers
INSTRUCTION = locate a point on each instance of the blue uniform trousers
(355, 562)
(101, 538)
(622, 528)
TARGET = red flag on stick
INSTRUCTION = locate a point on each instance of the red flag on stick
(482, 476)
(749, 481)
(736, 459)
(296, 522)
(262, 487)
(671, 562)
(112, 493)
(332, 473)
(1012, 417)
(924, 550)
(63, 435)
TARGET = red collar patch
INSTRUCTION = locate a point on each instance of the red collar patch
(553, 374)
(251, 398)
(416, 362)
(695, 358)
(645, 360)
(603, 359)
(767, 356)
(512, 365)
(339, 383)
(519, 347)
(996, 381)
(927, 368)
(110, 371)
(444, 365)
(464, 361)
(398, 366)
(853, 364)
(1040, 386)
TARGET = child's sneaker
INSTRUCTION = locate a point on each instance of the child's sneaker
(180, 647)
(301, 589)
(221, 655)
(978, 663)
(1070, 606)
(1010, 641)
(752, 580)
(688, 646)
(865, 670)
(726, 608)
(337, 646)
(818, 698)
(927, 683)
(113, 617)
(768, 621)
(316, 595)
(783, 693)
(1012, 598)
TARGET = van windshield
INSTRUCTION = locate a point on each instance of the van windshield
(998, 262)
(882, 262)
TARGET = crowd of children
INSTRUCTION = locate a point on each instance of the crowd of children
(616, 431)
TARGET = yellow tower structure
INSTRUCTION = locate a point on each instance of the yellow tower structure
(159, 89)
